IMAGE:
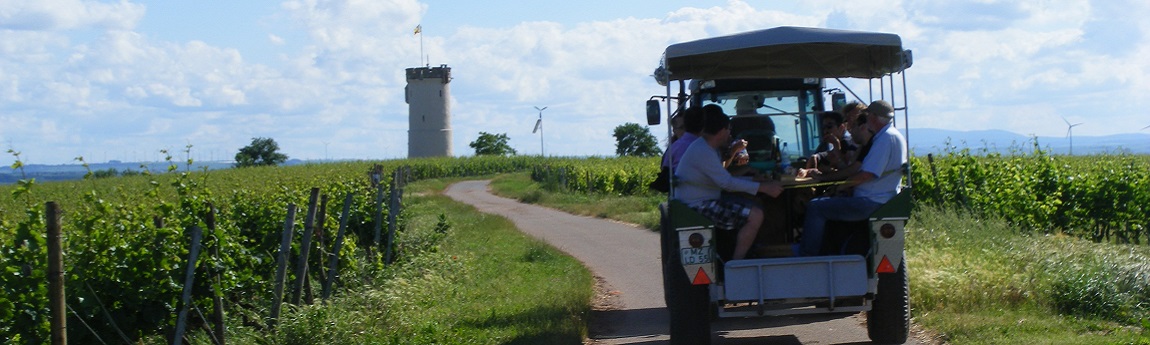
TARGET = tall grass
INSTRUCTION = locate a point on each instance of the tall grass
(982, 281)
(484, 282)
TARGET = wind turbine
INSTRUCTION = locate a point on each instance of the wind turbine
(1069, 134)
(539, 128)
(1144, 128)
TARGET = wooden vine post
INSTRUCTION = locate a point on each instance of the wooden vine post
(189, 279)
(217, 295)
(56, 306)
(333, 257)
(281, 265)
(377, 225)
(305, 246)
(392, 211)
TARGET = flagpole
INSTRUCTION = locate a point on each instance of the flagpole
(419, 31)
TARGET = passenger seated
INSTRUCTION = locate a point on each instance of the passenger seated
(691, 122)
(834, 152)
(876, 182)
(703, 180)
(860, 137)
(851, 112)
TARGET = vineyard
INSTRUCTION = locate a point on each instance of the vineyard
(1104, 198)
(126, 240)
(621, 176)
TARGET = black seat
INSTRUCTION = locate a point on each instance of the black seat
(760, 144)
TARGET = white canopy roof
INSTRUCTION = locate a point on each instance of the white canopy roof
(788, 52)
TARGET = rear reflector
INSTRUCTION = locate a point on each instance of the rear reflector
(884, 266)
(701, 278)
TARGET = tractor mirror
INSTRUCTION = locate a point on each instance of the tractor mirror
(838, 101)
(653, 114)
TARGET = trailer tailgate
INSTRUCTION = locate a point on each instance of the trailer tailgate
(795, 277)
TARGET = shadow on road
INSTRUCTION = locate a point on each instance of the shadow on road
(768, 340)
(649, 327)
(613, 324)
(751, 323)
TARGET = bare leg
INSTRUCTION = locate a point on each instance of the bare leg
(746, 236)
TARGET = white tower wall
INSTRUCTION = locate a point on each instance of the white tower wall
(428, 95)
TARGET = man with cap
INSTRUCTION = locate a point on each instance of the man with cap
(877, 181)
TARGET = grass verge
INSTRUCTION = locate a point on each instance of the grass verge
(980, 281)
(484, 282)
(973, 281)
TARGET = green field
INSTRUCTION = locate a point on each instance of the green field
(1017, 248)
(126, 246)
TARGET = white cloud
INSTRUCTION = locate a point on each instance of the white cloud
(55, 15)
(593, 76)
(979, 65)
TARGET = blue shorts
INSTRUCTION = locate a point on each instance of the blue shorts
(727, 213)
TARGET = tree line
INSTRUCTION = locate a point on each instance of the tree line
(631, 140)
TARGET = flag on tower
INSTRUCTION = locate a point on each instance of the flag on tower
(418, 29)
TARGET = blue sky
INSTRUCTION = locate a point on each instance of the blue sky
(121, 80)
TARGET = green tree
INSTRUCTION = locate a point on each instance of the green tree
(262, 151)
(110, 172)
(632, 139)
(491, 144)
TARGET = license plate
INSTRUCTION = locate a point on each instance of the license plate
(695, 256)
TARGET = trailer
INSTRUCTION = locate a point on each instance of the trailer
(773, 84)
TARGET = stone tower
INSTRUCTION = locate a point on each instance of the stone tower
(428, 98)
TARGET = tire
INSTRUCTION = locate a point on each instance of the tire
(687, 305)
(888, 321)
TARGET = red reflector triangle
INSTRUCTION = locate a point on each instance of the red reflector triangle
(884, 266)
(701, 278)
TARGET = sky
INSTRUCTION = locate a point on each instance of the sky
(123, 80)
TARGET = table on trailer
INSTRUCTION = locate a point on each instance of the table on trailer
(791, 204)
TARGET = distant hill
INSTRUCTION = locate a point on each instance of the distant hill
(931, 140)
(922, 141)
(66, 172)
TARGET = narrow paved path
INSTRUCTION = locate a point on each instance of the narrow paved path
(625, 257)
(626, 260)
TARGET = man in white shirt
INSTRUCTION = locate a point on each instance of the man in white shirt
(877, 181)
(702, 179)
